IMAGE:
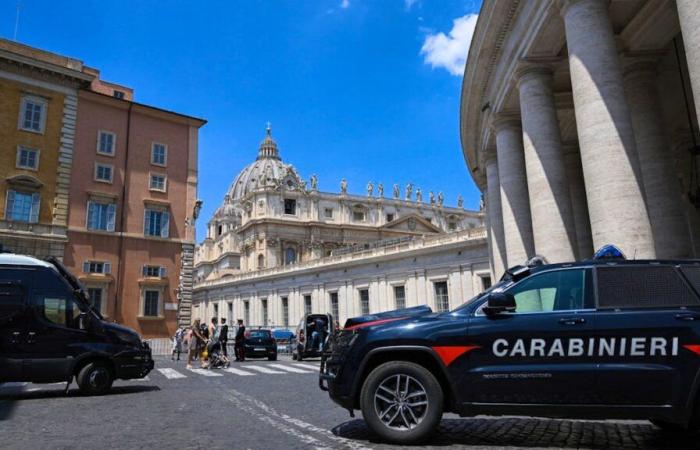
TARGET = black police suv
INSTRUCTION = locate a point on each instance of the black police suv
(260, 344)
(598, 339)
(50, 333)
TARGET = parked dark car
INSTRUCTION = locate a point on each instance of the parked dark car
(260, 344)
(315, 330)
(49, 332)
(596, 339)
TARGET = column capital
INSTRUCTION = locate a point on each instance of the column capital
(636, 64)
(564, 5)
(528, 69)
(505, 120)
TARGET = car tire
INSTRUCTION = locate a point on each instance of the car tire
(415, 412)
(95, 378)
(272, 358)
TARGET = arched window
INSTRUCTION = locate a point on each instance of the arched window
(261, 261)
(290, 256)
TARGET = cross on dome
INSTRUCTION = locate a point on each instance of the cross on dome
(268, 147)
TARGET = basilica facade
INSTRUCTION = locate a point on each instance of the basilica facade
(275, 232)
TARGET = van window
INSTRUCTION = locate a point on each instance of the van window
(642, 287)
(558, 290)
(58, 310)
(11, 300)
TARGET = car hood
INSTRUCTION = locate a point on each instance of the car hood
(122, 332)
(388, 316)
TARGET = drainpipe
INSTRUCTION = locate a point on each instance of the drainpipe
(122, 213)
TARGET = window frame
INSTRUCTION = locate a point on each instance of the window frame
(22, 112)
(159, 210)
(34, 215)
(159, 305)
(21, 148)
(447, 294)
(403, 287)
(326, 211)
(98, 149)
(165, 154)
(111, 173)
(110, 226)
(151, 175)
(360, 290)
(310, 310)
(294, 203)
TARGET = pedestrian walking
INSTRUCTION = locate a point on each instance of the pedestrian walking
(213, 335)
(197, 341)
(239, 344)
(223, 336)
(177, 343)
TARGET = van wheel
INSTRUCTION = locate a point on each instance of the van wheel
(401, 402)
(95, 378)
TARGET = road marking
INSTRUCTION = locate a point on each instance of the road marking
(205, 372)
(306, 366)
(171, 374)
(238, 371)
(275, 416)
(291, 431)
(262, 369)
(289, 368)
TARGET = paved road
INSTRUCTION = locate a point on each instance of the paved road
(263, 405)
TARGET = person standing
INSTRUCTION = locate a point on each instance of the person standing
(223, 336)
(177, 343)
(240, 341)
(197, 341)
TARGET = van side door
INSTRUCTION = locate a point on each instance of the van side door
(13, 323)
(536, 355)
(648, 320)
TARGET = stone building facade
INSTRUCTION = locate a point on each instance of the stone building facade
(278, 244)
(38, 110)
(578, 122)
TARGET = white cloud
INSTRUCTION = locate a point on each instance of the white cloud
(345, 4)
(450, 51)
(409, 4)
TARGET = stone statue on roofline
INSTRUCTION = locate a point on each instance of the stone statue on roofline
(370, 189)
(314, 182)
(419, 195)
(409, 191)
(380, 190)
(441, 199)
(396, 191)
(460, 201)
(432, 198)
(343, 186)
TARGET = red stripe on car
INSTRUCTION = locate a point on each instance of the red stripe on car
(373, 322)
(695, 348)
(450, 353)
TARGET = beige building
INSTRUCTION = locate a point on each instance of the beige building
(578, 123)
(278, 247)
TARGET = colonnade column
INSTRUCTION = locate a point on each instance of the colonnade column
(662, 193)
(579, 207)
(553, 226)
(689, 17)
(494, 216)
(614, 187)
(515, 202)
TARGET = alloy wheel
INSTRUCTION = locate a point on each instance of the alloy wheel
(401, 402)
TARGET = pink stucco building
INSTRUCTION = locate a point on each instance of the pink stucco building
(132, 208)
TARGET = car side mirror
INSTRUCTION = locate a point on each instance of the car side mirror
(499, 302)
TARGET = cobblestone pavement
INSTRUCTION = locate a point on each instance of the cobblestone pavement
(265, 405)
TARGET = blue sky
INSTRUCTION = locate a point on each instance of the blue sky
(366, 90)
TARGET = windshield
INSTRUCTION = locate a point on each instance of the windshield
(500, 285)
(260, 334)
(78, 288)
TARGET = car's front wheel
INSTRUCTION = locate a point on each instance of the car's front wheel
(95, 378)
(402, 402)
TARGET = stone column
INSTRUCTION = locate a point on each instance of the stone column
(614, 188)
(515, 202)
(579, 207)
(661, 187)
(494, 217)
(553, 226)
(689, 17)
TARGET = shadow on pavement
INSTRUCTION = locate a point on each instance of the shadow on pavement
(532, 432)
(43, 394)
(6, 408)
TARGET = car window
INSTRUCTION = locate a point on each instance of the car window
(58, 310)
(558, 290)
(652, 286)
(11, 300)
(259, 334)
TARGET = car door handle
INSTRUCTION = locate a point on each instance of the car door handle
(30, 337)
(689, 317)
(15, 337)
(572, 321)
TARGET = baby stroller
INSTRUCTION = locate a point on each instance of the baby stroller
(217, 359)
